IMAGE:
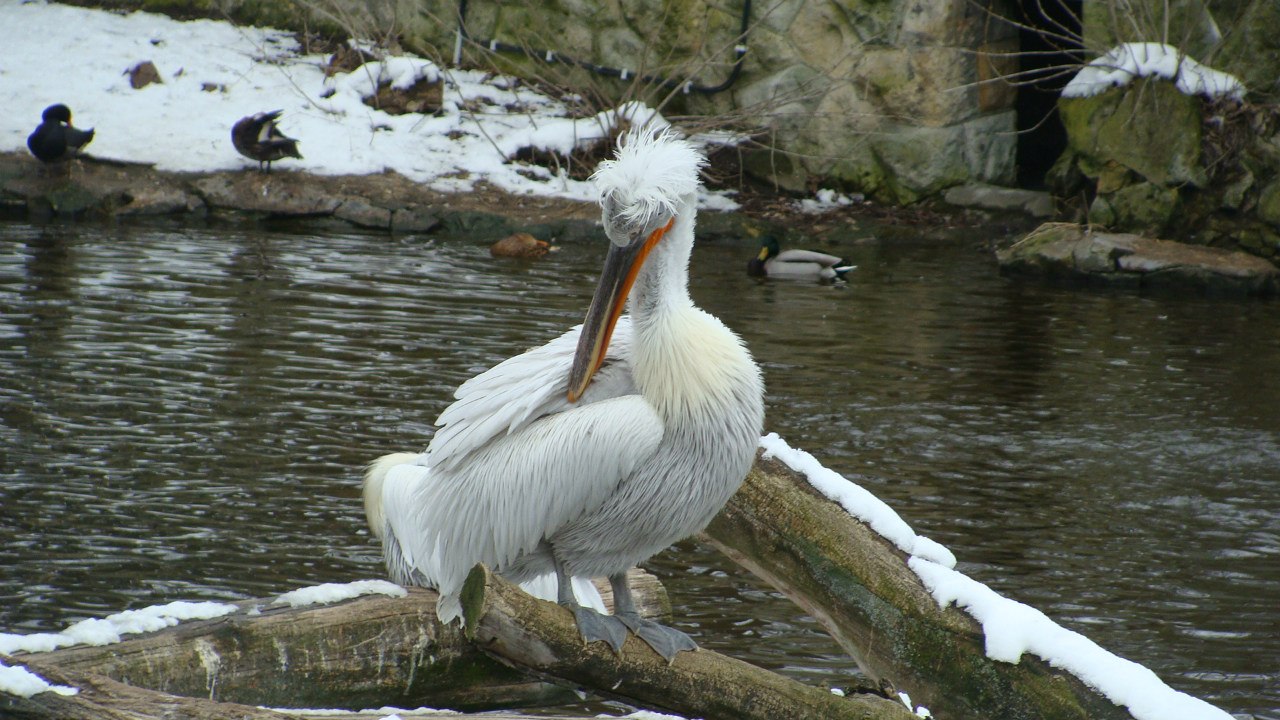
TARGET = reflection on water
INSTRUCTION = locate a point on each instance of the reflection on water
(183, 414)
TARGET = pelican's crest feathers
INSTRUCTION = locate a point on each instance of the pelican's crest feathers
(651, 171)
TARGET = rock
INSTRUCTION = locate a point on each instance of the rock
(1268, 208)
(279, 194)
(1069, 251)
(1143, 206)
(1148, 127)
(992, 197)
(362, 214)
(143, 74)
(161, 200)
(413, 220)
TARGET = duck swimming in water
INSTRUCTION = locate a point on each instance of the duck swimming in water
(589, 454)
(257, 138)
(774, 262)
(55, 139)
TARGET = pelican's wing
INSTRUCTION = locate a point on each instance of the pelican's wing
(806, 256)
(523, 388)
(502, 501)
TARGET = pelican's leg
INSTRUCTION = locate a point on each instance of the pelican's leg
(664, 640)
(591, 624)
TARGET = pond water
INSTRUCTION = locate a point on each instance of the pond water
(184, 414)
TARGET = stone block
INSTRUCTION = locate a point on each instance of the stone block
(922, 160)
(822, 34)
(997, 64)
(928, 86)
(958, 23)
(992, 197)
(991, 147)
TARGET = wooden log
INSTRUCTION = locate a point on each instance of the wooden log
(859, 587)
(541, 638)
(372, 651)
(101, 698)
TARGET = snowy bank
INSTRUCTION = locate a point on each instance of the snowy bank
(213, 73)
(1010, 628)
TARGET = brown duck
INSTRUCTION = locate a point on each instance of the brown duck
(257, 138)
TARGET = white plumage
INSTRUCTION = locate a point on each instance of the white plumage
(591, 453)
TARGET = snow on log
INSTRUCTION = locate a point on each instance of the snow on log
(541, 638)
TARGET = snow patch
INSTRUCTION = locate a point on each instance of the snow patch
(108, 630)
(826, 200)
(337, 592)
(24, 683)
(1134, 60)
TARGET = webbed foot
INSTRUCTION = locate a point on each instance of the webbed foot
(666, 641)
(594, 626)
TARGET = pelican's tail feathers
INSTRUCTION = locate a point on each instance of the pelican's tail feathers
(587, 594)
(544, 587)
(375, 476)
(449, 607)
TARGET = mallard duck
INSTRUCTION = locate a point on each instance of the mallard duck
(795, 264)
(257, 138)
(54, 139)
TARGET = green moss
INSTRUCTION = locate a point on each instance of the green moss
(1268, 207)
(1148, 127)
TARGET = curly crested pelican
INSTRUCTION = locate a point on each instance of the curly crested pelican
(55, 138)
(591, 453)
(257, 138)
(795, 264)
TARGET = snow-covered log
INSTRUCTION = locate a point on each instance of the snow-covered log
(542, 639)
(372, 651)
(859, 586)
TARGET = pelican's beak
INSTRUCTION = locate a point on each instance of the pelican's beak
(621, 266)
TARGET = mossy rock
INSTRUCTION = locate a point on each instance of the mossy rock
(1268, 207)
(1148, 127)
(1140, 206)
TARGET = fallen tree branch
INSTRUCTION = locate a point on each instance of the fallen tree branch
(859, 587)
(541, 638)
(101, 698)
(372, 651)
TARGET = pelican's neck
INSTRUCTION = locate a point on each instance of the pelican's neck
(690, 366)
(662, 286)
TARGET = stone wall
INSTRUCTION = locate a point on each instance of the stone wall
(876, 96)
(884, 97)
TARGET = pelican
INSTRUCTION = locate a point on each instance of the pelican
(589, 454)
(257, 138)
(55, 138)
(795, 264)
